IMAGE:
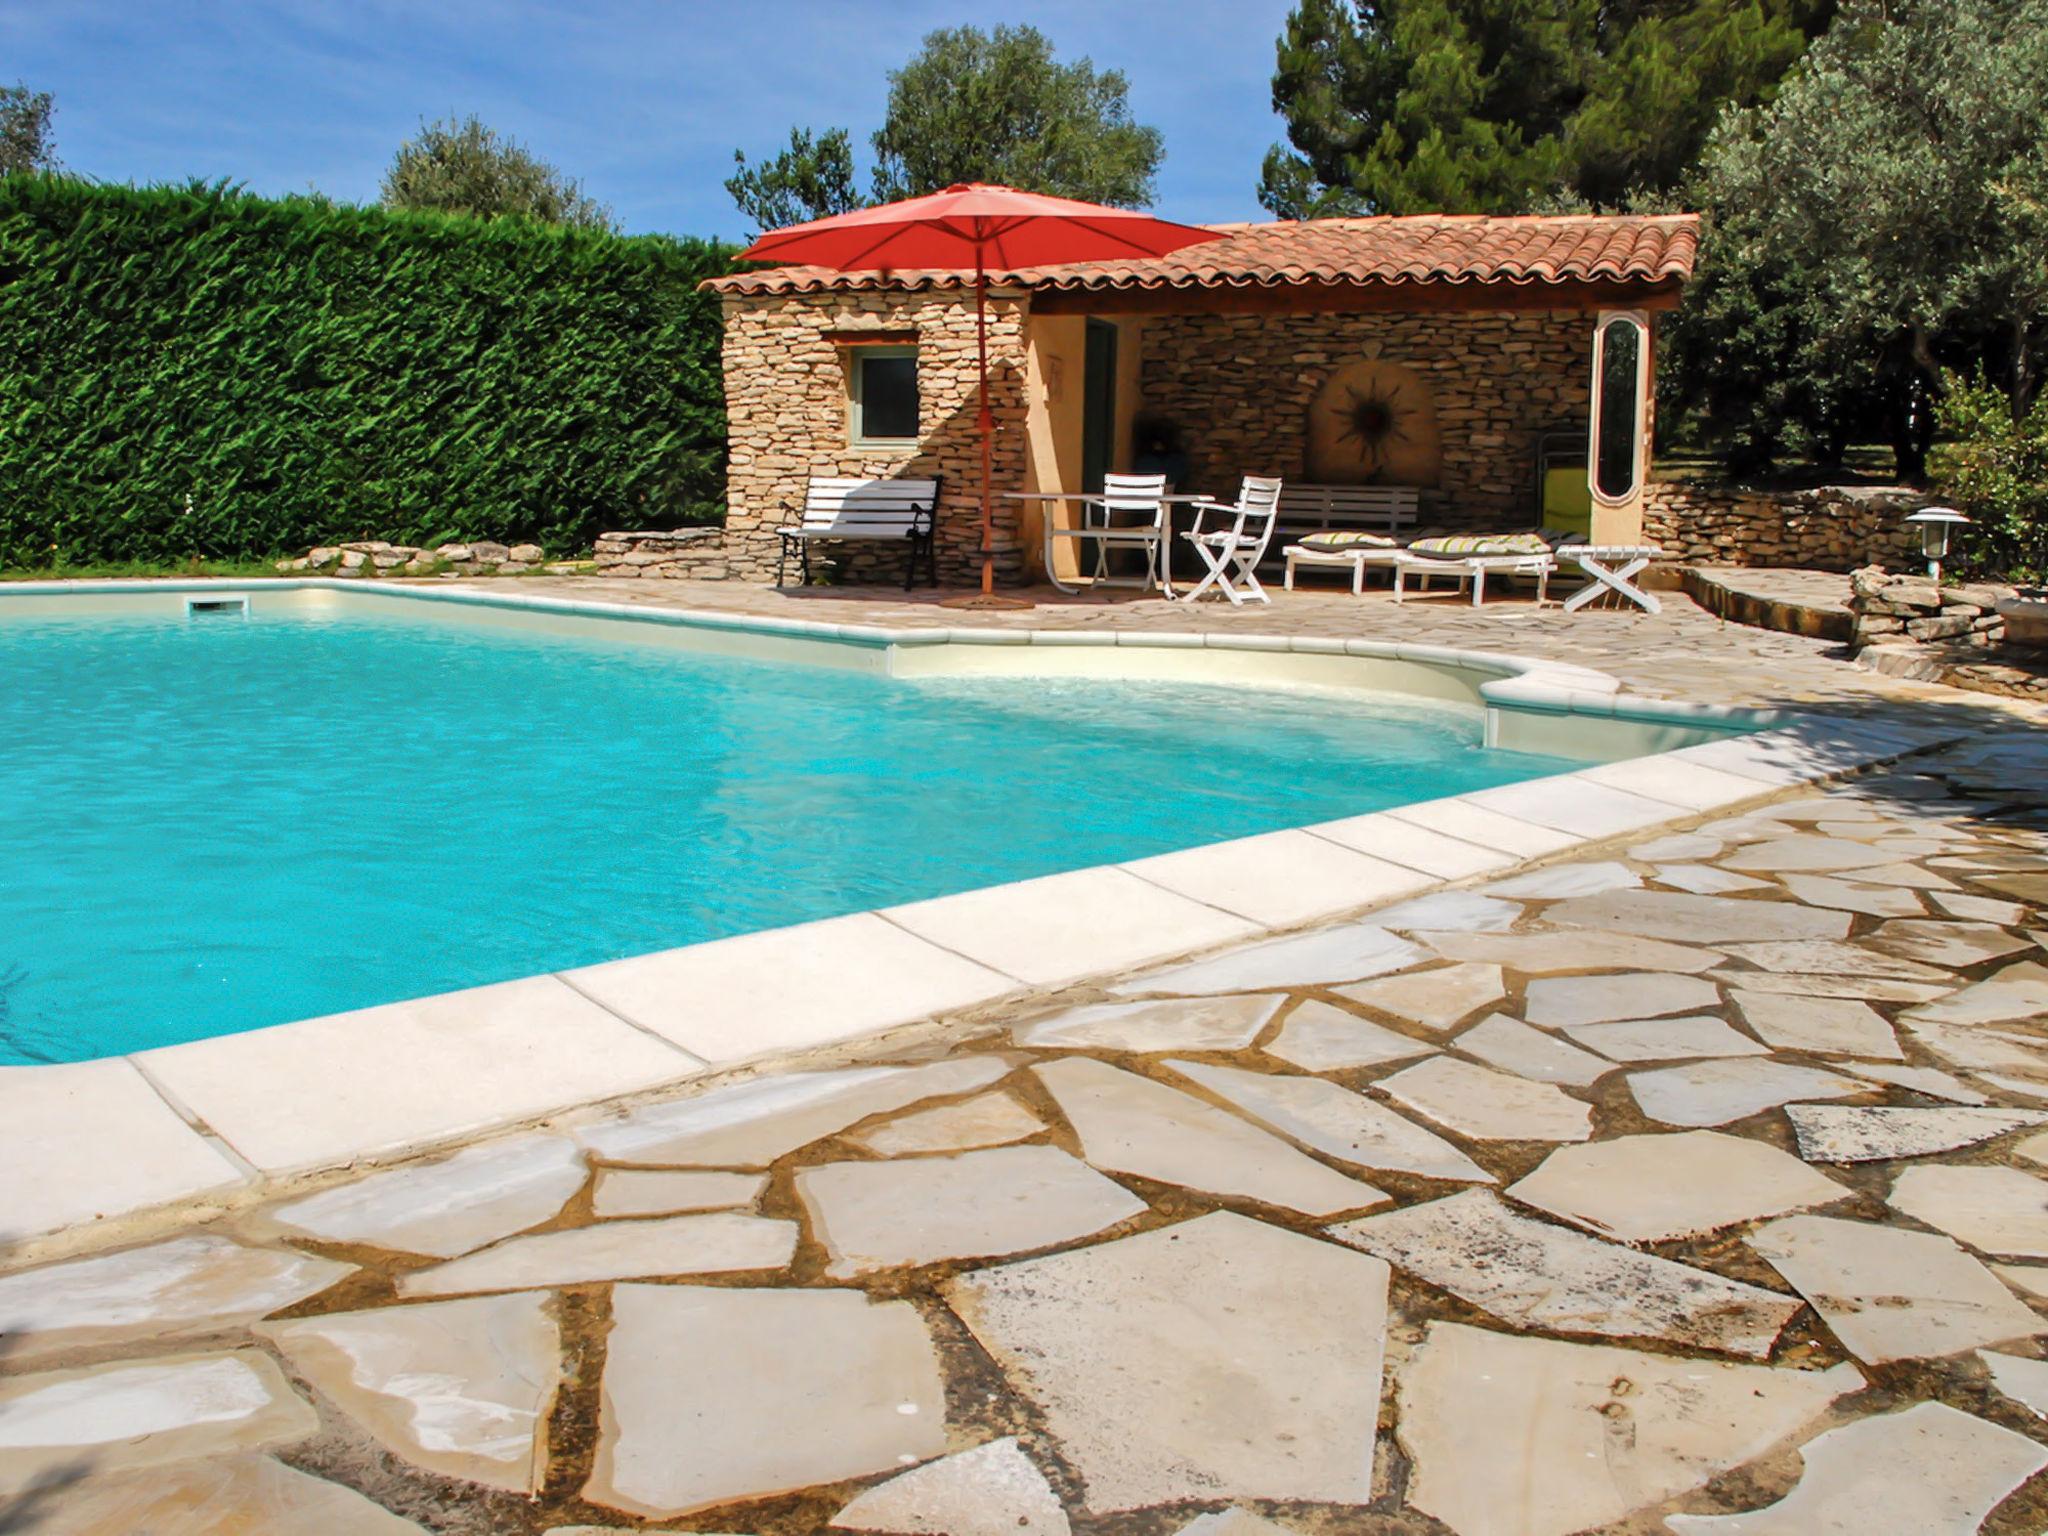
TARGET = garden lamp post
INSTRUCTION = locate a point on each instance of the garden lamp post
(1936, 525)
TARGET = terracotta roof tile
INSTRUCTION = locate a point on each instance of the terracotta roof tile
(1427, 248)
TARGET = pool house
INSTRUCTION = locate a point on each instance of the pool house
(1456, 355)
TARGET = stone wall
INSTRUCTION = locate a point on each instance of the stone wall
(786, 400)
(1978, 636)
(1830, 528)
(1891, 608)
(688, 554)
(1240, 387)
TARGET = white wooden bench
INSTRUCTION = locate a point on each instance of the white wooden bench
(886, 510)
(1306, 510)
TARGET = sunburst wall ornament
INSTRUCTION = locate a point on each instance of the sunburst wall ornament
(1371, 417)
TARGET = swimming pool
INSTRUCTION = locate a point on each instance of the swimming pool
(221, 822)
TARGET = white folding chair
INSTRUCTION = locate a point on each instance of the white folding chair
(1233, 553)
(1131, 507)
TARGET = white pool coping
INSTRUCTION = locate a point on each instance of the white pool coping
(95, 1145)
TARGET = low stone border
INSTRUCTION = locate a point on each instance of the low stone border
(1726, 593)
(93, 1148)
(375, 557)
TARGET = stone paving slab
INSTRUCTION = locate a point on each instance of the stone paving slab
(1891, 1294)
(1632, 1040)
(1648, 1189)
(1734, 1088)
(667, 1191)
(978, 1205)
(1513, 1047)
(1433, 999)
(1852, 1133)
(1927, 1471)
(462, 1388)
(986, 1120)
(1829, 1026)
(992, 1490)
(713, 1395)
(165, 1291)
(1319, 1036)
(1180, 1024)
(2001, 1211)
(1140, 1355)
(148, 1413)
(228, 1496)
(1533, 1437)
(1561, 1000)
(1705, 879)
(445, 1208)
(752, 1124)
(1486, 1105)
(1535, 1275)
(1130, 1124)
(1335, 1121)
(1540, 953)
(711, 1243)
(2021, 1379)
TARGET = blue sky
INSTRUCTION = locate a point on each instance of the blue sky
(644, 100)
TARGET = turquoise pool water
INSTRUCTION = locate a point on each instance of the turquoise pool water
(215, 824)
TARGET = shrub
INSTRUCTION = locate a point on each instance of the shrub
(1995, 468)
(193, 372)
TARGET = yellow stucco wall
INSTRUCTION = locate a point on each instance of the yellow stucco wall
(1056, 359)
(1054, 350)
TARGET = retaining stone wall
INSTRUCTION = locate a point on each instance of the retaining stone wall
(1830, 528)
(1891, 608)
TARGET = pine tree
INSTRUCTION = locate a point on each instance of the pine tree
(1494, 106)
(812, 179)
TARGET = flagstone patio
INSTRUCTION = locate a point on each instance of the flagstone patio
(1687, 1181)
(1574, 1201)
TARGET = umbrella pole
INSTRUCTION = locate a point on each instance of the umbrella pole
(986, 597)
(988, 428)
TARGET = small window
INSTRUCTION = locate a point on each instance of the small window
(883, 383)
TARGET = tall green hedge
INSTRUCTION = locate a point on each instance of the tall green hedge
(306, 373)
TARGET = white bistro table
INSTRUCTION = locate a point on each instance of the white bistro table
(1150, 537)
(1608, 568)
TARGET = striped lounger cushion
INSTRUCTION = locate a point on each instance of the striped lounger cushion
(1482, 544)
(1338, 542)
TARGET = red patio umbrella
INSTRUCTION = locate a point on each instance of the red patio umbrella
(986, 228)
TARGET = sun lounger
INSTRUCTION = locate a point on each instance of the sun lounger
(1343, 549)
(1469, 558)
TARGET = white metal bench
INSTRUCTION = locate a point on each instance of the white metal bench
(1306, 510)
(886, 510)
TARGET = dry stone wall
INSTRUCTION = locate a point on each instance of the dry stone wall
(1981, 635)
(1829, 528)
(786, 402)
(1890, 608)
(1241, 386)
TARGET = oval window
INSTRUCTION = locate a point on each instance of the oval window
(1620, 383)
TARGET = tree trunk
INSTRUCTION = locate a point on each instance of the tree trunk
(2024, 382)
